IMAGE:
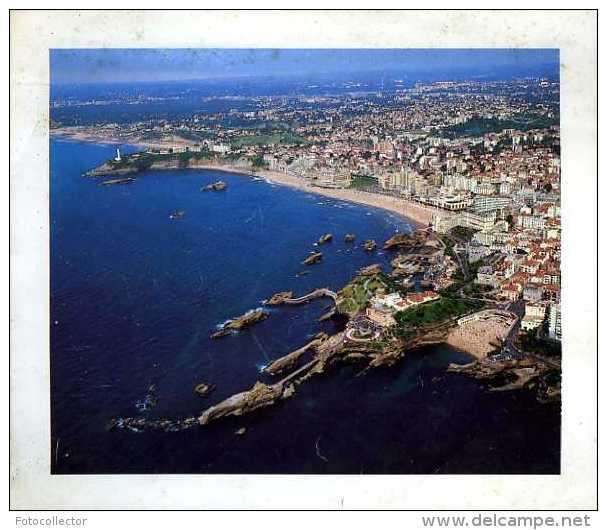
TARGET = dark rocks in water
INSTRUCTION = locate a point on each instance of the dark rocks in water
(204, 389)
(349, 238)
(149, 401)
(279, 298)
(220, 185)
(369, 245)
(243, 321)
(313, 258)
(177, 214)
(143, 424)
(325, 239)
(223, 332)
(112, 182)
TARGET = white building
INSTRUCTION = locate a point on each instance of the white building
(535, 313)
(221, 148)
(554, 322)
(482, 204)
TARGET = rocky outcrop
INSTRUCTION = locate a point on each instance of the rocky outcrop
(220, 185)
(399, 241)
(325, 239)
(312, 295)
(260, 395)
(113, 182)
(513, 374)
(107, 169)
(327, 351)
(143, 424)
(279, 298)
(313, 258)
(369, 245)
(177, 214)
(370, 270)
(204, 389)
(289, 360)
(238, 323)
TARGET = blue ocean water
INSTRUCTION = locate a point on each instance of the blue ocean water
(135, 296)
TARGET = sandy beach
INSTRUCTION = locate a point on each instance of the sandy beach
(417, 214)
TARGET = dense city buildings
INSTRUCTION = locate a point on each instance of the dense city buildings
(480, 159)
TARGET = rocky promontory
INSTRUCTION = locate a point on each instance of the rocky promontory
(260, 395)
(399, 240)
(108, 169)
(513, 374)
(238, 323)
(289, 360)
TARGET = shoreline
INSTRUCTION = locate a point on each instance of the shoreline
(415, 214)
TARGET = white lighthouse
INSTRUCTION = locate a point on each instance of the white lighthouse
(117, 159)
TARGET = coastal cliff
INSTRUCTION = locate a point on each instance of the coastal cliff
(139, 162)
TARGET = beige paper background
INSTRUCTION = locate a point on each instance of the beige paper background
(33, 33)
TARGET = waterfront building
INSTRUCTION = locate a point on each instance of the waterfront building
(451, 202)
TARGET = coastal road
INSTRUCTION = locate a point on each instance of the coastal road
(518, 308)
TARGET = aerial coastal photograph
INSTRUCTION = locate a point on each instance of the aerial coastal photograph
(305, 261)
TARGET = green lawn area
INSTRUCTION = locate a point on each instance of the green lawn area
(435, 312)
(145, 160)
(363, 182)
(355, 296)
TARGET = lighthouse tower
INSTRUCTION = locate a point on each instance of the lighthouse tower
(117, 159)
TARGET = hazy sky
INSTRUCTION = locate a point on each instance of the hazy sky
(126, 65)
